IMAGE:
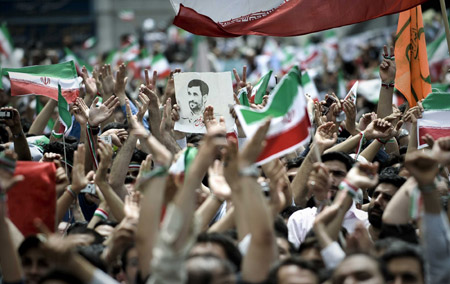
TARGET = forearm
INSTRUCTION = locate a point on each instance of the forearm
(120, 165)
(391, 147)
(385, 102)
(41, 120)
(9, 259)
(412, 142)
(298, 185)
(62, 205)
(114, 202)
(21, 146)
(334, 227)
(207, 210)
(148, 227)
(91, 162)
(347, 146)
(371, 151)
(226, 223)
(397, 210)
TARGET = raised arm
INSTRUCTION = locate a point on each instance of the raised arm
(20, 142)
(9, 258)
(41, 120)
(324, 138)
(387, 75)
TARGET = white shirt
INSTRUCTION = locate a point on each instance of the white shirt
(301, 222)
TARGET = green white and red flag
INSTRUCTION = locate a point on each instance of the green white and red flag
(161, 65)
(63, 110)
(435, 118)
(309, 86)
(290, 125)
(6, 44)
(259, 90)
(44, 79)
(79, 63)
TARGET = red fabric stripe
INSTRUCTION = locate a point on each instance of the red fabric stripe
(19, 88)
(296, 17)
(435, 132)
(285, 140)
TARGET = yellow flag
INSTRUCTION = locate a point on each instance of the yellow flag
(412, 78)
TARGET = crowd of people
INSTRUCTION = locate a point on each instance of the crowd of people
(139, 202)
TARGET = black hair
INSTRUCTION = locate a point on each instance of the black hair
(204, 268)
(58, 148)
(138, 156)
(380, 264)
(295, 163)
(93, 254)
(194, 139)
(115, 125)
(28, 243)
(123, 257)
(107, 223)
(288, 211)
(232, 252)
(204, 89)
(390, 175)
(399, 249)
(339, 156)
(304, 264)
(4, 137)
(69, 278)
(81, 228)
(281, 229)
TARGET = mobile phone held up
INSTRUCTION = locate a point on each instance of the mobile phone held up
(6, 114)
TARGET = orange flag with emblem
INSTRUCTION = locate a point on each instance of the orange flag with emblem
(412, 78)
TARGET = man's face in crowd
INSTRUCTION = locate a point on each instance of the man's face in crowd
(405, 270)
(195, 99)
(132, 266)
(381, 196)
(358, 269)
(35, 265)
(283, 248)
(205, 248)
(338, 171)
(288, 274)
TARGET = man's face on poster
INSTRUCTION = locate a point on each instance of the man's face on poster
(195, 99)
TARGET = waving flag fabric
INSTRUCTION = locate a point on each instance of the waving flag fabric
(278, 17)
(412, 78)
(435, 118)
(43, 80)
(290, 123)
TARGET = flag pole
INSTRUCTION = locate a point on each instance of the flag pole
(445, 19)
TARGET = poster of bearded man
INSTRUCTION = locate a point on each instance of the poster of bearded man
(195, 91)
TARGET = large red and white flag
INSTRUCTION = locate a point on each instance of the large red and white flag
(278, 17)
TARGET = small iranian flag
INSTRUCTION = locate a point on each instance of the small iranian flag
(243, 98)
(43, 80)
(79, 63)
(161, 65)
(352, 93)
(290, 124)
(435, 118)
(63, 109)
(6, 45)
(259, 90)
(309, 87)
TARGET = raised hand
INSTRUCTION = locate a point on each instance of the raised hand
(441, 150)
(121, 82)
(142, 105)
(118, 136)
(81, 111)
(366, 119)
(13, 123)
(241, 83)
(208, 117)
(319, 181)
(325, 136)
(422, 166)
(387, 66)
(151, 84)
(413, 114)
(62, 180)
(107, 79)
(217, 182)
(98, 114)
(230, 164)
(98, 81)
(350, 114)
(132, 205)
(89, 83)
(167, 122)
(253, 148)
(363, 175)
(169, 92)
(379, 128)
(50, 157)
(79, 179)
(146, 166)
